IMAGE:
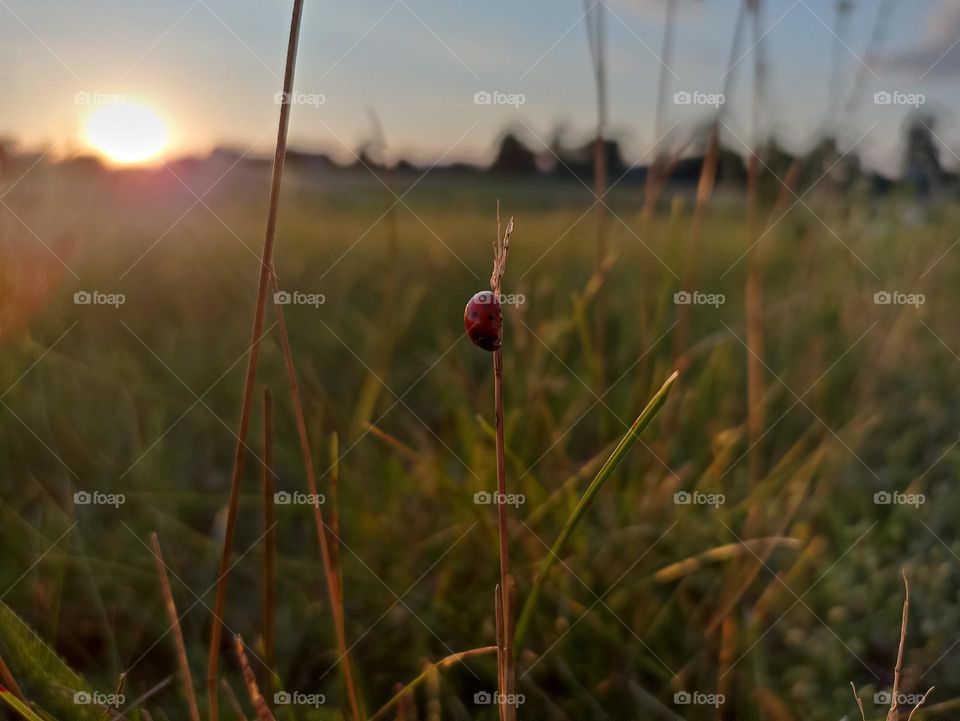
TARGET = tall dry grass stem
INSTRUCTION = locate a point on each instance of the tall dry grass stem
(330, 568)
(656, 171)
(754, 288)
(705, 185)
(893, 713)
(266, 275)
(507, 665)
(174, 618)
(595, 17)
(250, 681)
(269, 542)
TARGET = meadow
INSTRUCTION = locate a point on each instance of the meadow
(771, 593)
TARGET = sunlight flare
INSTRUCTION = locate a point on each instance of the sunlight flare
(127, 133)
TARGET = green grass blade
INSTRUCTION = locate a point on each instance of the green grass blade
(19, 706)
(42, 674)
(603, 475)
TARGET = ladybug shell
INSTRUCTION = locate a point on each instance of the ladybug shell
(483, 321)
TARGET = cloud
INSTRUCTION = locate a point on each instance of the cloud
(938, 53)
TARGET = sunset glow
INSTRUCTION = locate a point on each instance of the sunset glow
(126, 133)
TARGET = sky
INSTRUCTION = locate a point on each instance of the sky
(210, 69)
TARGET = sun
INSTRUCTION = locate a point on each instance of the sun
(127, 133)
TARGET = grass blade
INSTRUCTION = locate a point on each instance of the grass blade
(19, 706)
(263, 285)
(443, 663)
(603, 475)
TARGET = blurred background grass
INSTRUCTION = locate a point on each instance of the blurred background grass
(860, 398)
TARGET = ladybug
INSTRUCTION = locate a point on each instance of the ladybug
(483, 320)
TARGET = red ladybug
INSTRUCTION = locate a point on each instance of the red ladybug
(483, 320)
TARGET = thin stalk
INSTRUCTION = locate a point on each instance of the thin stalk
(754, 287)
(335, 510)
(506, 661)
(898, 669)
(329, 567)
(269, 540)
(656, 170)
(7, 679)
(250, 681)
(266, 273)
(603, 475)
(17, 705)
(596, 34)
(174, 618)
(233, 700)
(438, 666)
(501, 644)
(508, 670)
(708, 178)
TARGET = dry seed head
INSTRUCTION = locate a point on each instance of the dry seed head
(501, 248)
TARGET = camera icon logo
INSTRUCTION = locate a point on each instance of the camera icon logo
(82, 698)
(281, 698)
(482, 498)
(82, 297)
(682, 97)
(882, 97)
(482, 698)
(682, 298)
(82, 498)
(282, 498)
(882, 498)
(282, 297)
(482, 98)
(681, 498)
(882, 297)
(881, 698)
(682, 698)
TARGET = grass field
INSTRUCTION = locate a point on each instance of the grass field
(774, 593)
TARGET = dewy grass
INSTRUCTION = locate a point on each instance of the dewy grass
(603, 475)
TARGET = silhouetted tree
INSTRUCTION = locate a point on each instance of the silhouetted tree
(921, 166)
(514, 157)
